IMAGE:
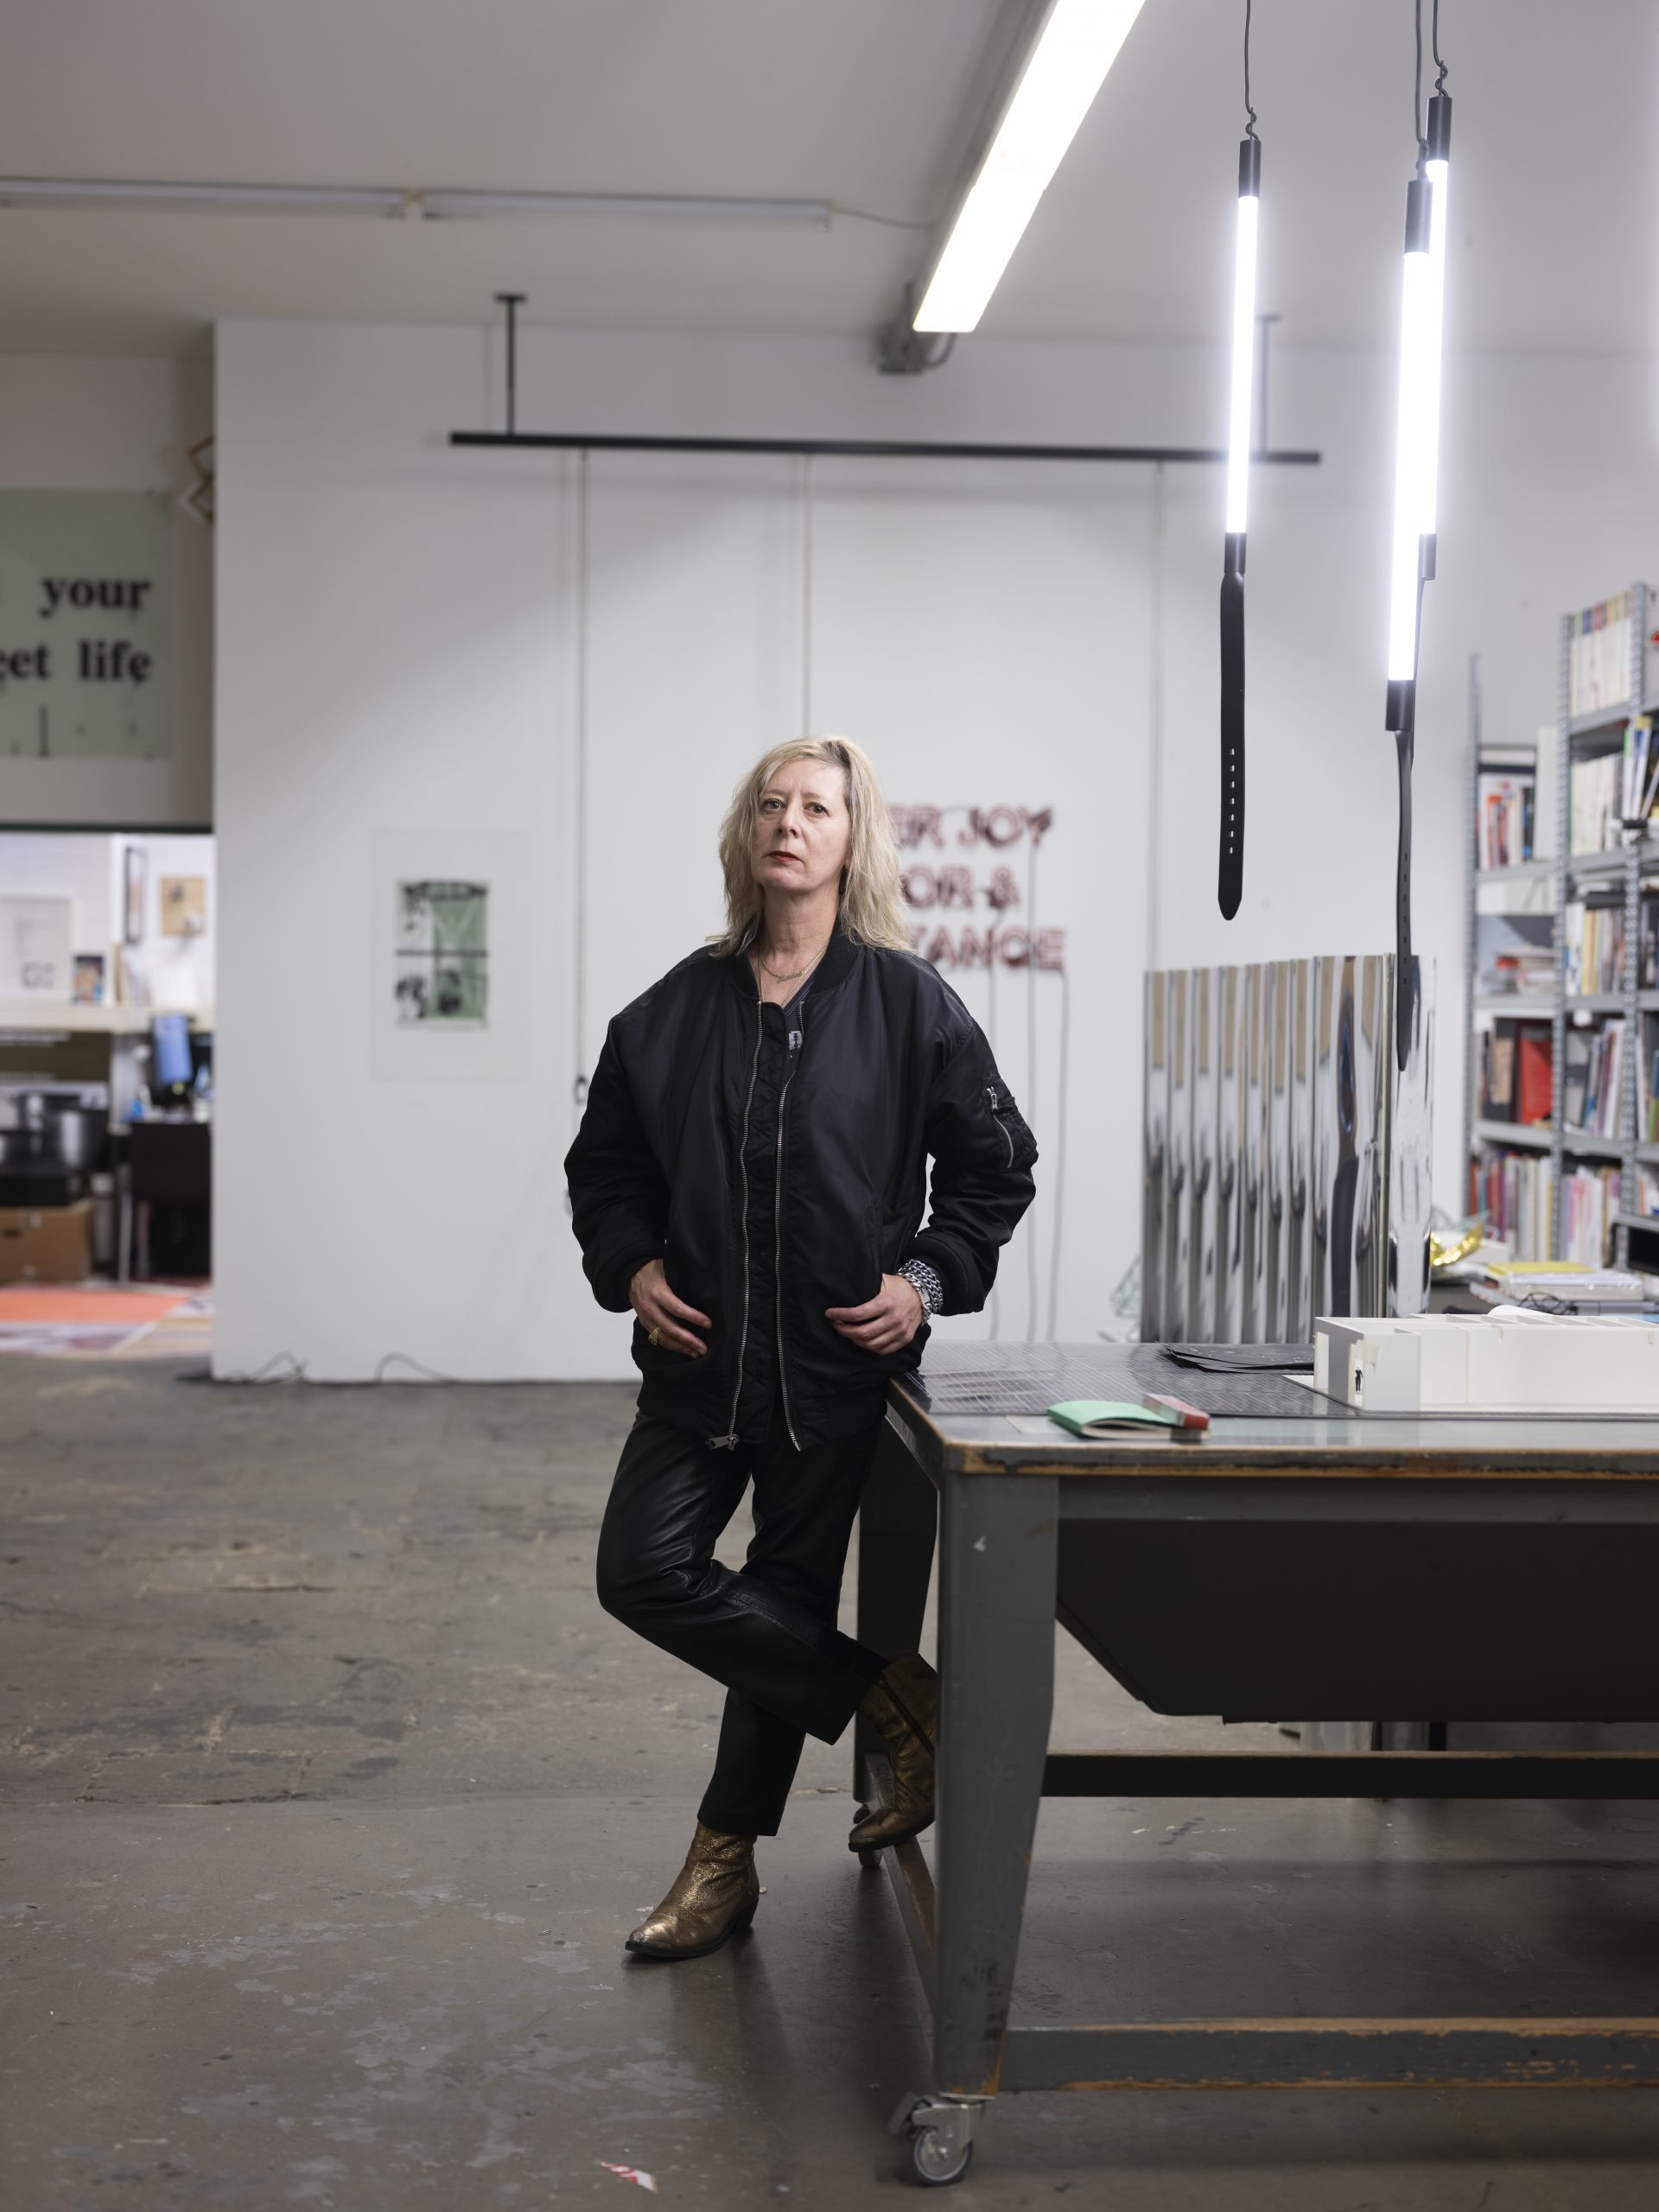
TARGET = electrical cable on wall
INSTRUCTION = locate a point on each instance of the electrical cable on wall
(1058, 1183)
(1034, 1317)
(807, 517)
(578, 1087)
(994, 1302)
(1229, 868)
(1155, 725)
(295, 1372)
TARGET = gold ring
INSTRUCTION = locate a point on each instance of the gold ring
(653, 1338)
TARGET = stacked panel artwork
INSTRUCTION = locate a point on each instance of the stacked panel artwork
(1286, 1156)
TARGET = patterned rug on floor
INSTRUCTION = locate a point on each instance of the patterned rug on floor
(99, 1320)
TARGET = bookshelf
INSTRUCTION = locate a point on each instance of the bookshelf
(1586, 910)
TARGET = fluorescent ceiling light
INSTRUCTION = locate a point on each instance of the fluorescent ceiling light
(1417, 382)
(393, 201)
(1440, 175)
(1418, 433)
(1238, 416)
(1078, 44)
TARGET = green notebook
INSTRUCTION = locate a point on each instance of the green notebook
(1100, 1416)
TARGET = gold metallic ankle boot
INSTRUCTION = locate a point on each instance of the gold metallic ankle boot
(714, 1894)
(903, 1706)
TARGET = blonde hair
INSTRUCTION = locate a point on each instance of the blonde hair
(871, 913)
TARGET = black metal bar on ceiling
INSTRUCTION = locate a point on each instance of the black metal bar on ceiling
(864, 448)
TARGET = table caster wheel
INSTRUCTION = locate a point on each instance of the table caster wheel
(940, 2133)
(937, 2163)
(869, 1858)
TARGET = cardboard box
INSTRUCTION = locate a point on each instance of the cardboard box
(46, 1244)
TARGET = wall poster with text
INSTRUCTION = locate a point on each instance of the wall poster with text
(86, 625)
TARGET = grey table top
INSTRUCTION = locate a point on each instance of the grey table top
(980, 1408)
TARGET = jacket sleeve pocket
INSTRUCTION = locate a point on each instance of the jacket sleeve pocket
(983, 1153)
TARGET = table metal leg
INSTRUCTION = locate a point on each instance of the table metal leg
(996, 1667)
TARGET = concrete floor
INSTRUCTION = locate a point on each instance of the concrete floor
(329, 1795)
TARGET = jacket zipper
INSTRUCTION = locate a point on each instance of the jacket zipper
(797, 1040)
(730, 1443)
(996, 1116)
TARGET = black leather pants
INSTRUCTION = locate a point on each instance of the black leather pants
(768, 1631)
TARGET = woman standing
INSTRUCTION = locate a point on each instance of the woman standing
(750, 1177)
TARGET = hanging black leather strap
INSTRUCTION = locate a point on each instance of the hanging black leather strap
(1229, 872)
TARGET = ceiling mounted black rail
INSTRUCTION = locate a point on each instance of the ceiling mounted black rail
(839, 448)
(868, 449)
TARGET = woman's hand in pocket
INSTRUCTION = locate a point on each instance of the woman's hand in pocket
(883, 1324)
(662, 1316)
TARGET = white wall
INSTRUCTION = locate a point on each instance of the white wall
(398, 650)
(113, 425)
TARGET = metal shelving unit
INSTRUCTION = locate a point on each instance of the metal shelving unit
(1565, 873)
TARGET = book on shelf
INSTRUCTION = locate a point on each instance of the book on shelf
(1647, 1085)
(1647, 940)
(1527, 972)
(1593, 804)
(1534, 1070)
(1512, 1190)
(1591, 1079)
(1593, 945)
(1581, 1283)
(1516, 1071)
(1589, 1201)
(1593, 795)
(1505, 804)
(1598, 654)
(1497, 1073)
(1636, 766)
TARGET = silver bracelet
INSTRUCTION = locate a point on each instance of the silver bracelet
(925, 1283)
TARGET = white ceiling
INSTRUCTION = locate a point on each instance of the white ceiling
(866, 103)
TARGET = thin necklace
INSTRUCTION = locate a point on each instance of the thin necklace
(795, 973)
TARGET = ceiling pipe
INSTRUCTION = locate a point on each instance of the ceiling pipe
(434, 204)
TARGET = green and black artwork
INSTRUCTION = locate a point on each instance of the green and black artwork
(442, 968)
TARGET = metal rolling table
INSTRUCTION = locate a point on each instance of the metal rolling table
(1294, 1563)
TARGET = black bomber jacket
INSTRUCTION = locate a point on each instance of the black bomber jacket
(892, 1070)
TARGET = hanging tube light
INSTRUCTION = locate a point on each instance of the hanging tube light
(1416, 494)
(1075, 45)
(1229, 872)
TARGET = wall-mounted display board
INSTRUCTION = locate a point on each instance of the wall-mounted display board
(85, 625)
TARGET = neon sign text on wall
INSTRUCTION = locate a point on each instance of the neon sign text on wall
(959, 888)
